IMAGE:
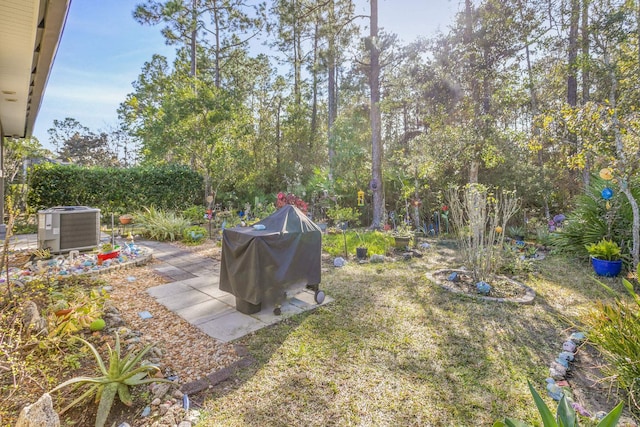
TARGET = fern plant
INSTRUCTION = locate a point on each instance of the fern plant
(120, 374)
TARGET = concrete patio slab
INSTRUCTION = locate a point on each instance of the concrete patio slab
(204, 311)
(214, 291)
(231, 326)
(168, 289)
(183, 299)
(286, 310)
(196, 297)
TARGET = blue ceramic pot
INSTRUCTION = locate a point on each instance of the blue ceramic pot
(606, 268)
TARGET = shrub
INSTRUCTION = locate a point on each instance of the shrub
(114, 190)
(162, 225)
(291, 199)
(338, 214)
(593, 219)
(194, 235)
(195, 214)
(615, 330)
(476, 216)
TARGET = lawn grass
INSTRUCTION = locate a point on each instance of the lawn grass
(394, 350)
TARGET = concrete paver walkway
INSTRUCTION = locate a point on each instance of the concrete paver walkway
(194, 295)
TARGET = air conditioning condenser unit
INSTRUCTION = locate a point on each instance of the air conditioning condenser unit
(66, 228)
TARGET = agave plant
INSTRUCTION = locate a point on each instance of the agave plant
(116, 378)
(565, 415)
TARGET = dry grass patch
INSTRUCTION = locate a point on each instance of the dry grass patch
(395, 349)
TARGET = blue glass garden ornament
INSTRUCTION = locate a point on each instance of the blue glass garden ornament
(607, 193)
(483, 288)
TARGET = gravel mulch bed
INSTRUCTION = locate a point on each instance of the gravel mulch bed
(186, 351)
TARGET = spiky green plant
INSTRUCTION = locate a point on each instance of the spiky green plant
(594, 218)
(121, 374)
(565, 414)
(614, 330)
(162, 225)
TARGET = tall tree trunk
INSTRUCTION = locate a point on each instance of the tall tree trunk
(623, 163)
(314, 104)
(216, 19)
(332, 89)
(572, 63)
(297, 57)
(535, 129)
(194, 33)
(572, 71)
(585, 35)
(474, 165)
(586, 81)
(375, 117)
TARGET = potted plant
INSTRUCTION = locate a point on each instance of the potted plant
(402, 236)
(605, 258)
(361, 249)
(125, 219)
(107, 251)
(517, 232)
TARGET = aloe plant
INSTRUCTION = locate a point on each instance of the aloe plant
(565, 415)
(115, 379)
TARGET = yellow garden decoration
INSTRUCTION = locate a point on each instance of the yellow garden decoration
(606, 174)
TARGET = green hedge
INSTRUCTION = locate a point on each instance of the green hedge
(170, 187)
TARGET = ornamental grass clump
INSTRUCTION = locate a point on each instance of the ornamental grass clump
(478, 218)
(162, 225)
(116, 378)
(615, 331)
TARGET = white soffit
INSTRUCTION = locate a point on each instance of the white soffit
(29, 37)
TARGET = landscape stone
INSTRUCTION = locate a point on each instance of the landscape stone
(39, 414)
(31, 319)
(569, 346)
(339, 262)
(377, 258)
(160, 389)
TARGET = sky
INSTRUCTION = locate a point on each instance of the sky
(103, 49)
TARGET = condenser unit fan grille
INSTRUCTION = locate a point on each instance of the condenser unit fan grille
(78, 230)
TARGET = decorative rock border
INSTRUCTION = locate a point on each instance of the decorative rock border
(85, 264)
(526, 299)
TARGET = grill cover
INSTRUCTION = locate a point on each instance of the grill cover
(260, 265)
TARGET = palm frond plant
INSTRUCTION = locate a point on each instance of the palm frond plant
(593, 219)
(116, 378)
